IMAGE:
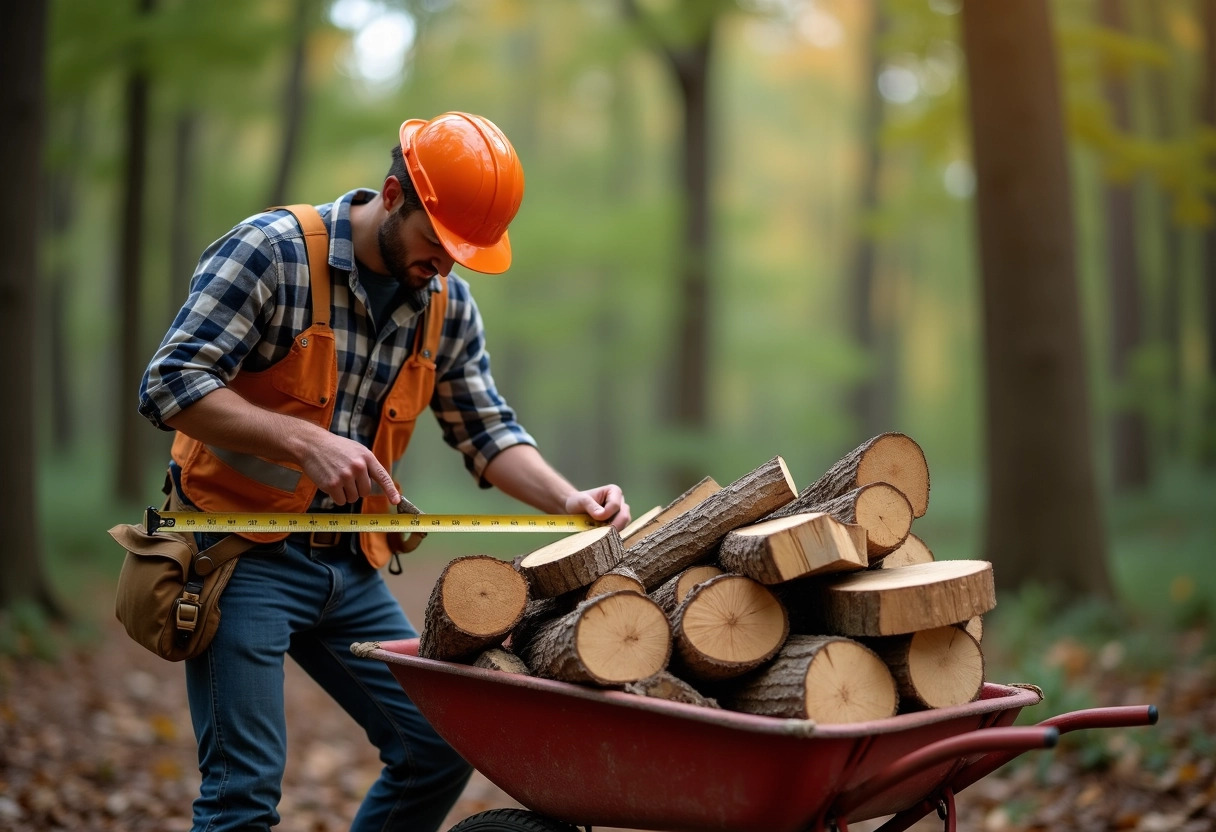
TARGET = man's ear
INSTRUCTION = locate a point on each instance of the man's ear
(390, 193)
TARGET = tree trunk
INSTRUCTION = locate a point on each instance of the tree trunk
(182, 251)
(1129, 434)
(1207, 115)
(131, 361)
(293, 105)
(22, 61)
(1043, 516)
(869, 404)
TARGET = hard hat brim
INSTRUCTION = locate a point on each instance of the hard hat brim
(492, 259)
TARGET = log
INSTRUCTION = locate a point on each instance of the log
(775, 551)
(827, 679)
(675, 508)
(893, 458)
(611, 639)
(887, 602)
(474, 604)
(640, 522)
(616, 580)
(572, 562)
(879, 508)
(538, 613)
(498, 659)
(975, 627)
(691, 537)
(933, 668)
(912, 551)
(665, 685)
(727, 626)
(675, 589)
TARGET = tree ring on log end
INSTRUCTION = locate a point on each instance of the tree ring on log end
(623, 637)
(896, 459)
(483, 596)
(848, 682)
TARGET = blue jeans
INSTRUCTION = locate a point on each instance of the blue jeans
(311, 604)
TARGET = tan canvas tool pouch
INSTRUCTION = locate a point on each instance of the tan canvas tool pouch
(168, 591)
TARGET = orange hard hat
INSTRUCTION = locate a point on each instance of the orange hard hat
(470, 182)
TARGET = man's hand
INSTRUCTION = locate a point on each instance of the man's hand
(345, 469)
(605, 504)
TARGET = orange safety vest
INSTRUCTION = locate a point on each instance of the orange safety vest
(304, 384)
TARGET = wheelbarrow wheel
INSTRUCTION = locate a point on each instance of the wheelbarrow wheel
(511, 820)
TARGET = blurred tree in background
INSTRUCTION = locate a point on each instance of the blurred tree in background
(747, 231)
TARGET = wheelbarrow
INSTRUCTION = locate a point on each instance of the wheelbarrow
(581, 756)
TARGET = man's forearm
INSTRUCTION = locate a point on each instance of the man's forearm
(224, 419)
(522, 473)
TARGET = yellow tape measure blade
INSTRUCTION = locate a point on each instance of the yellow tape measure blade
(278, 523)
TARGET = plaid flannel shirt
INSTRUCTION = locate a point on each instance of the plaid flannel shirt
(249, 298)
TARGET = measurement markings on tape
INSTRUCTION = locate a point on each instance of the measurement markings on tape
(277, 523)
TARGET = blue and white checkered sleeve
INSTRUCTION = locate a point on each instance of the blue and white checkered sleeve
(475, 419)
(231, 296)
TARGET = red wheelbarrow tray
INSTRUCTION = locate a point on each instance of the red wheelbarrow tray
(596, 757)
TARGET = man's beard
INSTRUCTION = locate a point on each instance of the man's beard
(392, 250)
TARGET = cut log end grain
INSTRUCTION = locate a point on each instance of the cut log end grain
(886, 515)
(623, 637)
(934, 668)
(896, 459)
(692, 576)
(475, 602)
(663, 685)
(572, 562)
(884, 602)
(775, 551)
(727, 626)
(502, 660)
(974, 626)
(618, 580)
(912, 551)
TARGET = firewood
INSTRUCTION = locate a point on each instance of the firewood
(824, 678)
(975, 626)
(498, 659)
(640, 522)
(671, 592)
(727, 626)
(611, 639)
(675, 508)
(933, 668)
(912, 551)
(881, 509)
(572, 562)
(539, 612)
(665, 685)
(892, 458)
(474, 605)
(620, 578)
(791, 547)
(690, 537)
(887, 602)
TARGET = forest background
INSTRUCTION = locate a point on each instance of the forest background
(753, 228)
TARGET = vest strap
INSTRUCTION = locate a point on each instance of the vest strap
(316, 241)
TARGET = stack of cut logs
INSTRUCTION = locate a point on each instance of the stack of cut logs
(754, 597)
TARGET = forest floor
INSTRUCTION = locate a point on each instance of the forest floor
(98, 738)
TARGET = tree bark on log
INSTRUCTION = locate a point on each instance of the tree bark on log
(474, 604)
(572, 562)
(727, 626)
(775, 551)
(886, 602)
(912, 551)
(692, 536)
(675, 589)
(504, 660)
(693, 496)
(665, 685)
(893, 458)
(879, 508)
(828, 679)
(609, 640)
(933, 668)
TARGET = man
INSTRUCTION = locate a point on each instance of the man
(293, 391)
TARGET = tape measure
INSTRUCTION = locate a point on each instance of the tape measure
(277, 523)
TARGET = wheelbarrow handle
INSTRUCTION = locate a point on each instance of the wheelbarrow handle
(983, 741)
(1125, 716)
